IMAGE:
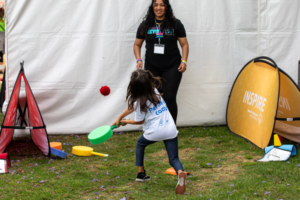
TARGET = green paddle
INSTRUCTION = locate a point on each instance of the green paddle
(101, 134)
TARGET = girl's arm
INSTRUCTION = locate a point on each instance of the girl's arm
(131, 122)
(137, 52)
(185, 52)
(124, 114)
(124, 122)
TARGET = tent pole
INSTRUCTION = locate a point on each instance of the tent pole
(299, 74)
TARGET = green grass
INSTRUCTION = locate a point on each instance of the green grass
(233, 173)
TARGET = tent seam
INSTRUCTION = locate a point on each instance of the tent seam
(258, 27)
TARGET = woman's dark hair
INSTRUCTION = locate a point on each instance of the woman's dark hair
(168, 22)
(141, 88)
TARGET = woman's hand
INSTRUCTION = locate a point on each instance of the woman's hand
(182, 67)
(139, 65)
(185, 52)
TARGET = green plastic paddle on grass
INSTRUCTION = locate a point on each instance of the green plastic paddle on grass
(101, 134)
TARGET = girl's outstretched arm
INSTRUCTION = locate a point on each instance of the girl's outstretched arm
(124, 114)
(125, 121)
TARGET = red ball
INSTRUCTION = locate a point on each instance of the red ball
(105, 90)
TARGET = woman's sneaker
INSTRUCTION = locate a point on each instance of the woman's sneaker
(142, 177)
(181, 185)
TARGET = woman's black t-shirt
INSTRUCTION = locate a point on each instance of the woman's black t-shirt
(171, 53)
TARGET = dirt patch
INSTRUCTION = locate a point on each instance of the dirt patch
(200, 139)
(210, 176)
(242, 157)
(184, 154)
(161, 153)
(245, 159)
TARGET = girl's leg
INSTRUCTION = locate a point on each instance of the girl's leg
(172, 150)
(140, 150)
(170, 85)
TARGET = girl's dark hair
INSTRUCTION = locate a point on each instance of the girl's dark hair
(1, 13)
(141, 88)
(168, 22)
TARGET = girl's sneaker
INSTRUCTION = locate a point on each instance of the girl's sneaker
(181, 185)
(142, 177)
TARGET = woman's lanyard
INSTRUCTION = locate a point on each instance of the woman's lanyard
(158, 33)
(159, 48)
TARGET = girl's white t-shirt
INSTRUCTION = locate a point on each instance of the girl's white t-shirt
(159, 124)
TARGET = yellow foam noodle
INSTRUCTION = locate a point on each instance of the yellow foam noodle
(99, 154)
(277, 142)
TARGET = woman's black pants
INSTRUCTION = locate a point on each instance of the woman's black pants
(171, 78)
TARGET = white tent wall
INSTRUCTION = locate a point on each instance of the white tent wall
(73, 47)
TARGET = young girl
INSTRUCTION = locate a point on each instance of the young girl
(158, 125)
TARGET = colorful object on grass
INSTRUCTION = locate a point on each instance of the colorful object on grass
(277, 142)
(56, 145)
(172, 171)
(4, 156)
(278, 152)
(281, 153)
(58, 153)
(86, 151)
(4, 163)
(101, 134)
(105, 90)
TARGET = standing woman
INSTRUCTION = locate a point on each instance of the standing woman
(161, 30)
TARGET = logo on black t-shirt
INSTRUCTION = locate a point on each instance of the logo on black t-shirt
(154, 30)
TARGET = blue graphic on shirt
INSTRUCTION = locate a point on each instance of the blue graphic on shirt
(161, 122)
(154, 31)
(167, 120)
(160, 108)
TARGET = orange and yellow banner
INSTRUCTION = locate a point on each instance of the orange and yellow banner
(253, 102)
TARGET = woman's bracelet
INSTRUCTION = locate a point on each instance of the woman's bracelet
(184, 61)
(139, 60)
